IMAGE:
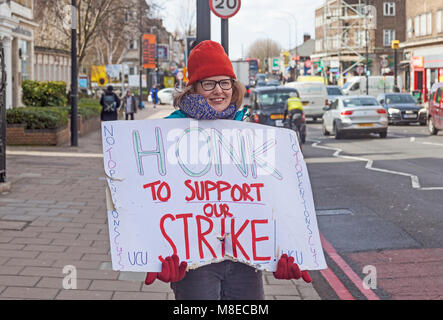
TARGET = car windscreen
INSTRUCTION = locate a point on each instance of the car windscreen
(347, 84)
(359, 102)
(273, 99)
(313, 89)
(334, 91)
(399, 98)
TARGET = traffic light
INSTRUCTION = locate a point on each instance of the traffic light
(395, 44)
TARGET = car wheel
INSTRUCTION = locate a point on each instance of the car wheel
(324, 131)
(431, 126)
(338, 133)
(383, 134)
(423, 123)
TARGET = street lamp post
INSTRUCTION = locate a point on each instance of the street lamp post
(296, 40)
(74, 76)
(289, 31)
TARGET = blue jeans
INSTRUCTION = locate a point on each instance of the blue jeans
(226, 280)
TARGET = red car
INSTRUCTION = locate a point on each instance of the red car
(435, 117)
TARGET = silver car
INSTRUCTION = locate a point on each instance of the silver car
(355, 114)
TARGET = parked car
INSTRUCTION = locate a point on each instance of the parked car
(355, 114)
(435, 109)
(164, 96)
(334, 92)
(268, 105)
(314, 97)
(402, 108)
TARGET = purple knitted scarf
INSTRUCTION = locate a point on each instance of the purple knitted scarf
(195, 106)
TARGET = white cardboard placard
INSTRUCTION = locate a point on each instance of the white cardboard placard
(208, 191)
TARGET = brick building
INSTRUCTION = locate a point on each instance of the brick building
(423, 46)
(342, 34)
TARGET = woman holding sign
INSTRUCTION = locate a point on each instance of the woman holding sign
(214, 93)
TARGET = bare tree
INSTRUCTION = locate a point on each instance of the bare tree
(264, 48)
(91, 16)
(187, 18)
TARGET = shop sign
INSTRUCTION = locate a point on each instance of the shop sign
(418, 62)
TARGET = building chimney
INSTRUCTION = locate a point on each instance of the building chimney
(306, 37)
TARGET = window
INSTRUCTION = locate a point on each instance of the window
(388, 36)
(360, 38)
(423, 25)
(133, 44)
(429, 23)
(409, 30)
(438, 20)
(389, 8)
(318, 45)
(417, 26)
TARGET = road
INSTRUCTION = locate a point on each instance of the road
(379, 205)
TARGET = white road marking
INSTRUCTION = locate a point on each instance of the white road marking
(369, 165)
(412, 139)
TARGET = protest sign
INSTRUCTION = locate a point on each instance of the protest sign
(208, 191)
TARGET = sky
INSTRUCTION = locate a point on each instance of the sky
(257, 19)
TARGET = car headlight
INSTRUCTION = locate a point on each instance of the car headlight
(393, 110)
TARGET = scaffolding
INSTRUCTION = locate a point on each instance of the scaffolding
(346, 36)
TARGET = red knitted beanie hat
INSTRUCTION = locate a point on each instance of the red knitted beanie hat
(208, 59)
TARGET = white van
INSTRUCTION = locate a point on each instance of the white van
(313, 96)
(377, 85)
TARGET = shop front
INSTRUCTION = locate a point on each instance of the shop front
(426, 70)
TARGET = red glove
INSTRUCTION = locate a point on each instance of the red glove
(172, 271)
(287, 269)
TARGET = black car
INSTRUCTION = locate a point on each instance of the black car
(402, 108)
(268, 105)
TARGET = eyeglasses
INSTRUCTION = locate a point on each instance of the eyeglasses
(225, 84)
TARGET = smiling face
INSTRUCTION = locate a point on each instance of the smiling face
(217, 98)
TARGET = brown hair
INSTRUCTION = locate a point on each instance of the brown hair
(238, 93)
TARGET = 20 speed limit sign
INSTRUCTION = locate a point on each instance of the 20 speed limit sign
(225, 9)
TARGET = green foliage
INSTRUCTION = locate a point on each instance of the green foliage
(44, 93)
(38, 117)
(51, 117)
(89, 108)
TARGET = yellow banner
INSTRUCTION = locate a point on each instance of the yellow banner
(168, 82)
(98, 75)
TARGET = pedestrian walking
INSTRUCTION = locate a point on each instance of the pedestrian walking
(154, 95)
(110, 104)
(212, 93)
(129, 105)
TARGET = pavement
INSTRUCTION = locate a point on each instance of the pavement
(53, 229)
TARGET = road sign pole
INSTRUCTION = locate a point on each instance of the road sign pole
(203, 21)
(224, 10)
(225, 35)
